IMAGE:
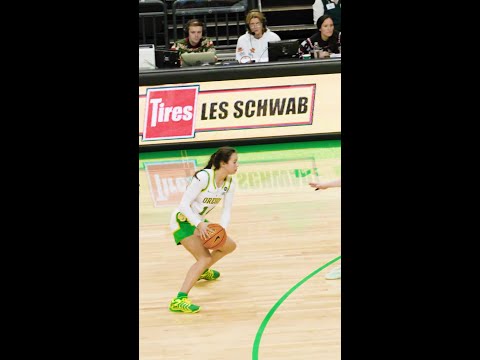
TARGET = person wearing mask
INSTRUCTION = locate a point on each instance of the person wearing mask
(253, 45)
(327, 38)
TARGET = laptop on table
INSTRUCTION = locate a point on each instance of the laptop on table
(198, 58)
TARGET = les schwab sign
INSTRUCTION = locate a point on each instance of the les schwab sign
(171, 113)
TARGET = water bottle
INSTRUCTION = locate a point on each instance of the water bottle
(316, 50)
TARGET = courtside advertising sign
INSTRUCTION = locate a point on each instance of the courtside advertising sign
(240, 109)
(170, 113)
(182, 112)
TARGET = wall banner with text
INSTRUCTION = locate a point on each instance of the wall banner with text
(235, 109)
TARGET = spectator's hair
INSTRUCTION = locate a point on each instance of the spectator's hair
(195, 22)
(321, 19)
(252, 14)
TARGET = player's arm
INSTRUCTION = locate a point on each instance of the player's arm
(227, 205)
(193, 189)
(326, 184)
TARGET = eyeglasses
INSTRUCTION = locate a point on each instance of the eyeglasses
(255, 24)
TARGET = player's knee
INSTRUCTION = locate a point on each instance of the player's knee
(206, 261)
(232, 245)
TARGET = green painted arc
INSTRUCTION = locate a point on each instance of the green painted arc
(263, 325)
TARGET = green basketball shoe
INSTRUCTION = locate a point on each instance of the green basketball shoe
(209, 274)
(183, 305)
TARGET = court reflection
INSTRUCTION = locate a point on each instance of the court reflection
(266, 168)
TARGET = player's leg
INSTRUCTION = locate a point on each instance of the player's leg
(227, 248)
(181, 303)
(184, 233)
(204, 259)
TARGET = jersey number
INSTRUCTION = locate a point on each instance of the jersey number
(205, 209)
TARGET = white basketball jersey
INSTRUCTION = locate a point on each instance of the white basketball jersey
(209, 196)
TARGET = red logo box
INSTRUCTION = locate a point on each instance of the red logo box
(170, 113)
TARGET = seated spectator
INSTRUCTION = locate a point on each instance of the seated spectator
(253, 45)
(330, 7)
(327, 37)
(196, 39)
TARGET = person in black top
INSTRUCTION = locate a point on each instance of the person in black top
(327, 37)
(328, 7)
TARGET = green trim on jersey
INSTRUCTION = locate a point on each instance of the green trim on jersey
(224, 184)
(230, 183)
(185, 228)
(208, 181)
(214, 183)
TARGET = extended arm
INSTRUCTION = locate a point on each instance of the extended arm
(193, 189)
(326, 184)
(227, 205)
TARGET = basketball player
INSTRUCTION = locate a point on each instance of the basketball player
(189, 225)
(337, 272)
(253, 45)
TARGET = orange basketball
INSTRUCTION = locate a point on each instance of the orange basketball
(217, 238)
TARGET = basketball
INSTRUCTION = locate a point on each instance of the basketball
(217, 238)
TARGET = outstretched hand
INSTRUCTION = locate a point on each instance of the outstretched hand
(318, 186)
(326, 184)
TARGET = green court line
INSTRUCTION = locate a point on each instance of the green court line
(319, 144)
(258, 153)
(265, 321)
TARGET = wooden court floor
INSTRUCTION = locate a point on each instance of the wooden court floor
(266, 304)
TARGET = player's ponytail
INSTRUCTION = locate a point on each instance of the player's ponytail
(210, 162)
(222, 154)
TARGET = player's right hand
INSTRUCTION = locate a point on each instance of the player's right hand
(203, 230)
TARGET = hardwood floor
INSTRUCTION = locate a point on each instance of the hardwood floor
(285, 231)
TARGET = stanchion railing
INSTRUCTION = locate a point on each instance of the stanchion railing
(153, 24)
(219, 14)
